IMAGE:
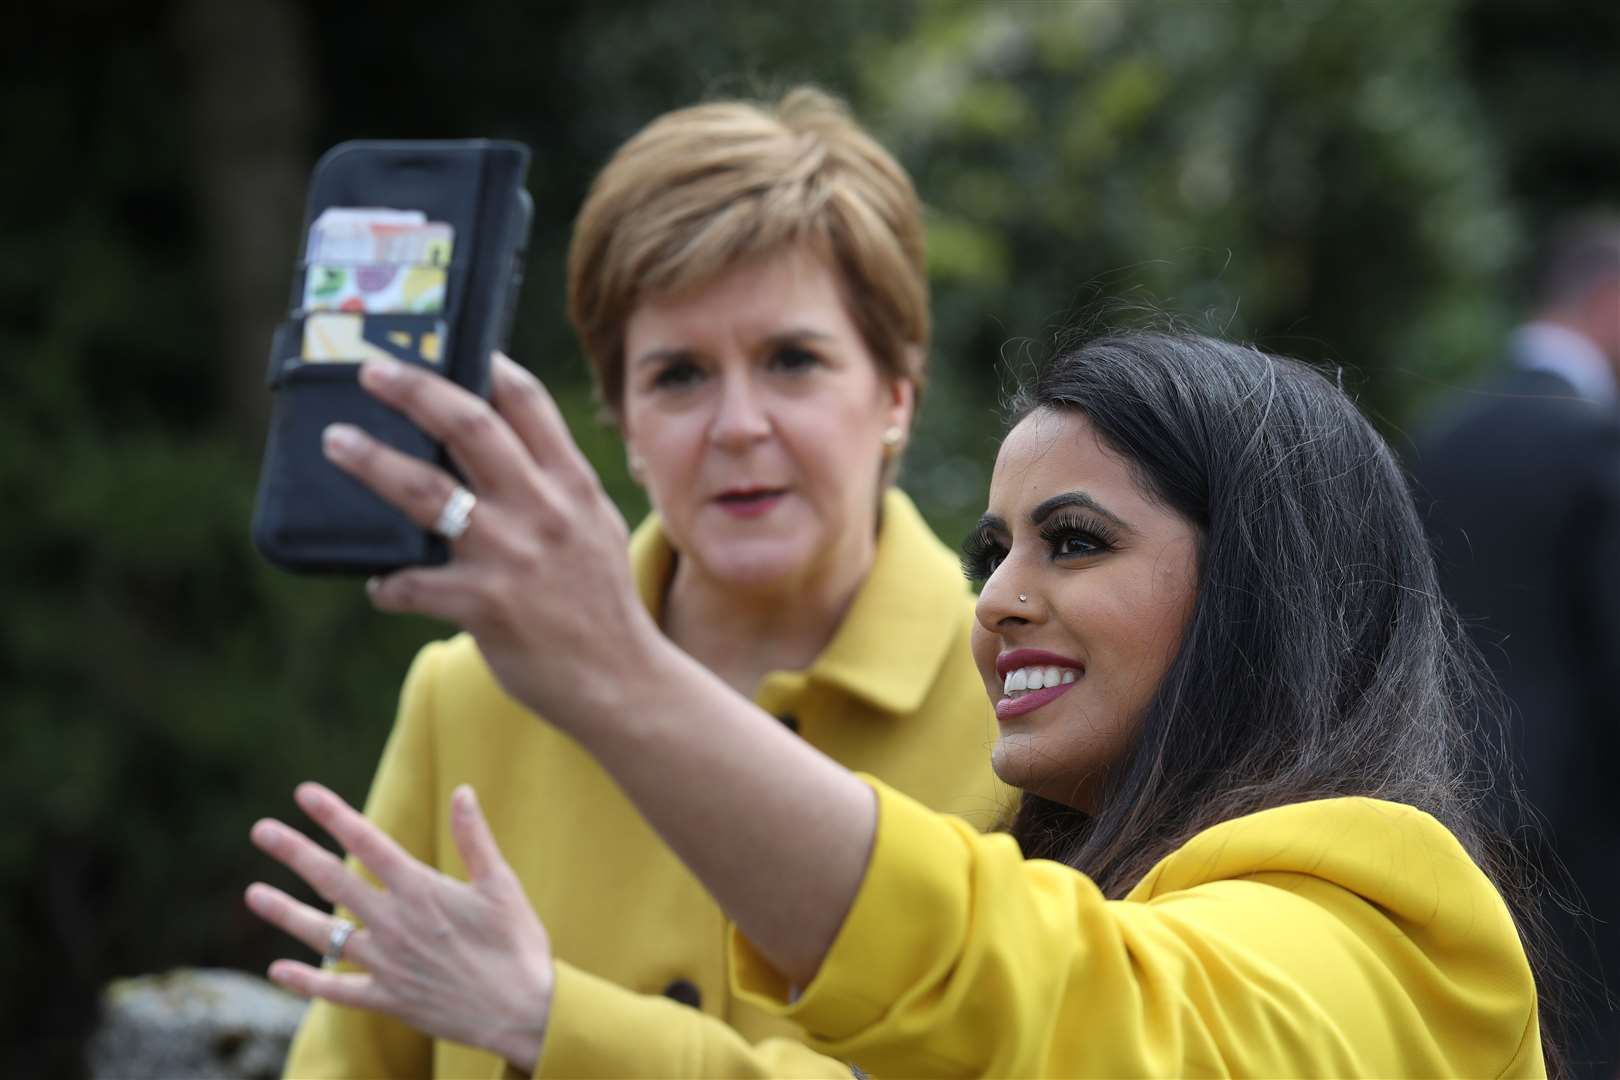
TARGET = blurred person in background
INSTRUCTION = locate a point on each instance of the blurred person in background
(1522, 482)
(748, 283)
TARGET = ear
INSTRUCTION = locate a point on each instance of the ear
(634, 463)
(901, 394)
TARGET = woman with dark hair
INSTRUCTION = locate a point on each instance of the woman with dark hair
(1222, 675)
(1318, 660)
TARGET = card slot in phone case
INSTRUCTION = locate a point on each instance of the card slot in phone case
(446, 182)
(410, 339)
(399, 283)
(312, 515)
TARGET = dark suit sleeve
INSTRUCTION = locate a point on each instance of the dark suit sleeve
(1597, 584)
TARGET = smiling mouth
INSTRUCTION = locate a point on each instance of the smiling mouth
(1037, 677)
(1025, 689)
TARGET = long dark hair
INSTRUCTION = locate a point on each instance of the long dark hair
(1320, 658)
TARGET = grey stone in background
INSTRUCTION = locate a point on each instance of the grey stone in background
(193, 1023)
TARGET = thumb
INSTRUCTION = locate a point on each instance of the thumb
(474, 841)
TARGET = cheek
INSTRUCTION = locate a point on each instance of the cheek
(1144, 632)
(985, 647)
(837, 462)
(670, 449)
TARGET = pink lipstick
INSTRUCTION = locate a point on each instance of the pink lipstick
(1025, 701)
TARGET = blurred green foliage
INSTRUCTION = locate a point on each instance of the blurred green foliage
(1319, 177)
(1312, 176)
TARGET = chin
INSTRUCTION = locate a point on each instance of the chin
(1010, 761)
(1018, 760)
(761, 567)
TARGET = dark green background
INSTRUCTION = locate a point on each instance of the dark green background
(1354, 182)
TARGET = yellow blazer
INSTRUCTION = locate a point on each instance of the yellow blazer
(894, 694)
(1341, 937)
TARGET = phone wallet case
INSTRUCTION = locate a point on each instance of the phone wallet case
(310, 516)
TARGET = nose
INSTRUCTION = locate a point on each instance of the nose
(741, 418)
(1002, 603)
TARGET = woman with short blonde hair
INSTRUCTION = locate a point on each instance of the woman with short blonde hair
(748, 283)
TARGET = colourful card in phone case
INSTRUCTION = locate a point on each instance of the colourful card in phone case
(344, 337)
(378, 287)
(344, 234)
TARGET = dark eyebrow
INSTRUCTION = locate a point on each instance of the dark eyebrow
(790, 336)
(796, 334)
(658, 356)
(989, 523)
(1074, 498)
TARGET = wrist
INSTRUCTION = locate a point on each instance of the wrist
(650, 677)
(523, 1043)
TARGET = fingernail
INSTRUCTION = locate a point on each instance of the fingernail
(372, 585)
(380, 372)
(341, 441)
(309, 797)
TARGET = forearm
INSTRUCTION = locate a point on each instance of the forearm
(778, 832)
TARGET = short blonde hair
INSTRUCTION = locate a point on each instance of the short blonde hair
(703, 189)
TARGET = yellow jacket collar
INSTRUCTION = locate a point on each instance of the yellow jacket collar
(897, 631)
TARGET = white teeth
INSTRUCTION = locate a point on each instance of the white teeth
(1038, 678)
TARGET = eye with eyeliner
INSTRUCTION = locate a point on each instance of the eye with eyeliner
(1096, 535)
(1067, 537)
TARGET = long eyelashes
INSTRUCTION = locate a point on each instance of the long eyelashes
(981, 554)
(1094, 535)
(1066, 536)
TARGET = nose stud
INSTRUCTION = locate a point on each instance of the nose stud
(1022, 599)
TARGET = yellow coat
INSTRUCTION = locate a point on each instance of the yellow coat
(895, 694)
(1342, 937)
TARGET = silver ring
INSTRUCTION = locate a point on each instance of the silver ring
(456, 515)
(339, 937)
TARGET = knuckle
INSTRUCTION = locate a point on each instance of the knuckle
(553, 530)
(424, 488)
(473, 422)
(525, 382)
(327, 881)
(487, 602)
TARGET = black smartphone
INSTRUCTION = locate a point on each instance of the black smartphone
(412, 250)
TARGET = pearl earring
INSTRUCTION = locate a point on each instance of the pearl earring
(892, 435)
